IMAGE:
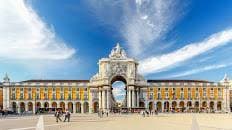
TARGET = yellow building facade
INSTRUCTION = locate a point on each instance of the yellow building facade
(90, 96)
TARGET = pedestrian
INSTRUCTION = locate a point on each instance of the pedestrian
(3, 113)
(107, 113)
(57, 115)
(143, 113)
(67, 115)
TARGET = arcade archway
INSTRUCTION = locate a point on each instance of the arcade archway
(118, 87)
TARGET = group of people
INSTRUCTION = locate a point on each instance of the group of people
(146, 112)
(101, 113)
(4, 112)
(59, 114)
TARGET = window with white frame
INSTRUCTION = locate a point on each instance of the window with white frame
(204, 92)
(151, 95)
(211, 93)
(219, 92)
(159, 95)
(182, 95)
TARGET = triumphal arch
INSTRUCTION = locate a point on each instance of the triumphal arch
(117, 67)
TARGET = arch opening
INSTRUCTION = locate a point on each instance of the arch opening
(118, 87)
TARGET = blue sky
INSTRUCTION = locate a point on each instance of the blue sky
(64, 40)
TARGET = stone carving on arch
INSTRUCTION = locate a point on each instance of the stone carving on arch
(118, 69)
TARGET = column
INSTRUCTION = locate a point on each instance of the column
(33, 105)
(129, 98)
(18, 107)
(90, 102)
(133, 98)
(26, 106)
(215, 106)
(6, 97)
(163, 106)
(74, 107)
(66, 105)
(104, 99)
(42, 104)
(226, 99)
(100, 99)
(108, 98)
(82, 107)
(137, 97)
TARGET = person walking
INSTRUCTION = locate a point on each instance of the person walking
(57, 115)
(3, 113)
(67, 115)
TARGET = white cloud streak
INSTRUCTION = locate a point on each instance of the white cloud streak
(140, 22)
(148, 23)
(202, 69)
(159, 63)
(25, 36)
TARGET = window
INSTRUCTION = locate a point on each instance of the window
(13, 89)
(45, 96)
(13, 96)
(54, 89)
(85, 96)
(196, 89)
(182, 95)
(197, 95)
(37, 96)
(166, 89)
(69, 89)
(69, 96)
(37, 89)
(86, 89)
(29, 96)
(151, 89)
(182, 89)
(46, 89)
(211, 93)
(220, 93)
(159, 96)
(166, 94)
(62, 89)
(21, 89)
(77, 96)
(151, 95)
(77, 89)
(61, 96)
(53, 96)
(21, 96)
(29, 89)
(189, 95)
(158, 89)
(204, 94)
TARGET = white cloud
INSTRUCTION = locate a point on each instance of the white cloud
(23, 35)
(202, 69)
(140, 22)
(118, 91)
(148, 22)
(158, 63)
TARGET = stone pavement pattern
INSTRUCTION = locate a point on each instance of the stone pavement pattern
(122, 122)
